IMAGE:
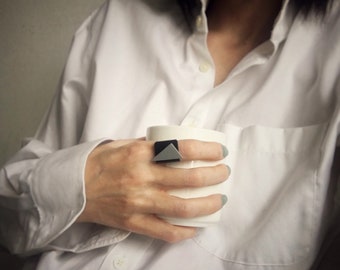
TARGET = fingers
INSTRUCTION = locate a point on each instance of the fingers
(141, 152)
(172, 206)
(172, 178)
(189, 149)
(199, 150)
(155, 227)
(163, 204)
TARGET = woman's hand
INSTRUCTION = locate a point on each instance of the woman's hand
(126, 190)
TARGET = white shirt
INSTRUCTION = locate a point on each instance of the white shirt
(134, 64)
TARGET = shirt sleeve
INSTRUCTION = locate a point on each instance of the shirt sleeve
(42, 186)
(41, 195)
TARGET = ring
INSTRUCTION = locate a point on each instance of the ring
(166, 151)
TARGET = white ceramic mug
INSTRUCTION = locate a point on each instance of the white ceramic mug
(162, 133)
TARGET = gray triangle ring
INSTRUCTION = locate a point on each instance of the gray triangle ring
(166, 151)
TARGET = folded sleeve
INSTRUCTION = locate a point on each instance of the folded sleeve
(42, 186)
(41, 195)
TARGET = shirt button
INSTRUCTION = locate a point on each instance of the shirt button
(119, 263)
(204, 67)
(199, 21)
(191, 122)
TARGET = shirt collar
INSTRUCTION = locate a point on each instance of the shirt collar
(204, 3)
(283, 23)
(281, 27)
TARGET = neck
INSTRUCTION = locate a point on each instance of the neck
(243, 22)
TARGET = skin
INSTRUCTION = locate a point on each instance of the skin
(126, 190)
(236, 27)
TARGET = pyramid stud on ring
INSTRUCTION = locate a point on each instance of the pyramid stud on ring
(166, 151)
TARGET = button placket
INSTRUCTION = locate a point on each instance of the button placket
(197, 115)
(199, 22)
(204, 67)
(119, 262)
(190, 122)
(126, 254)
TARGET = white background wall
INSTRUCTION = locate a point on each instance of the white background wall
(35, 36)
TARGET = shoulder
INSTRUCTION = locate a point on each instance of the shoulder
(117, 12)
(329, 38)
(320, 37)
(330, 26)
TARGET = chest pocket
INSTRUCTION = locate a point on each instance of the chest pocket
(270, 218)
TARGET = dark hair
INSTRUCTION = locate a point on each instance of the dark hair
(308, 8)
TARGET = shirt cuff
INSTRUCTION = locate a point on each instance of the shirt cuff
(60, 198)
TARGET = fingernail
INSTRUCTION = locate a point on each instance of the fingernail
(224, 151)
(229, 169)
(224, 199)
